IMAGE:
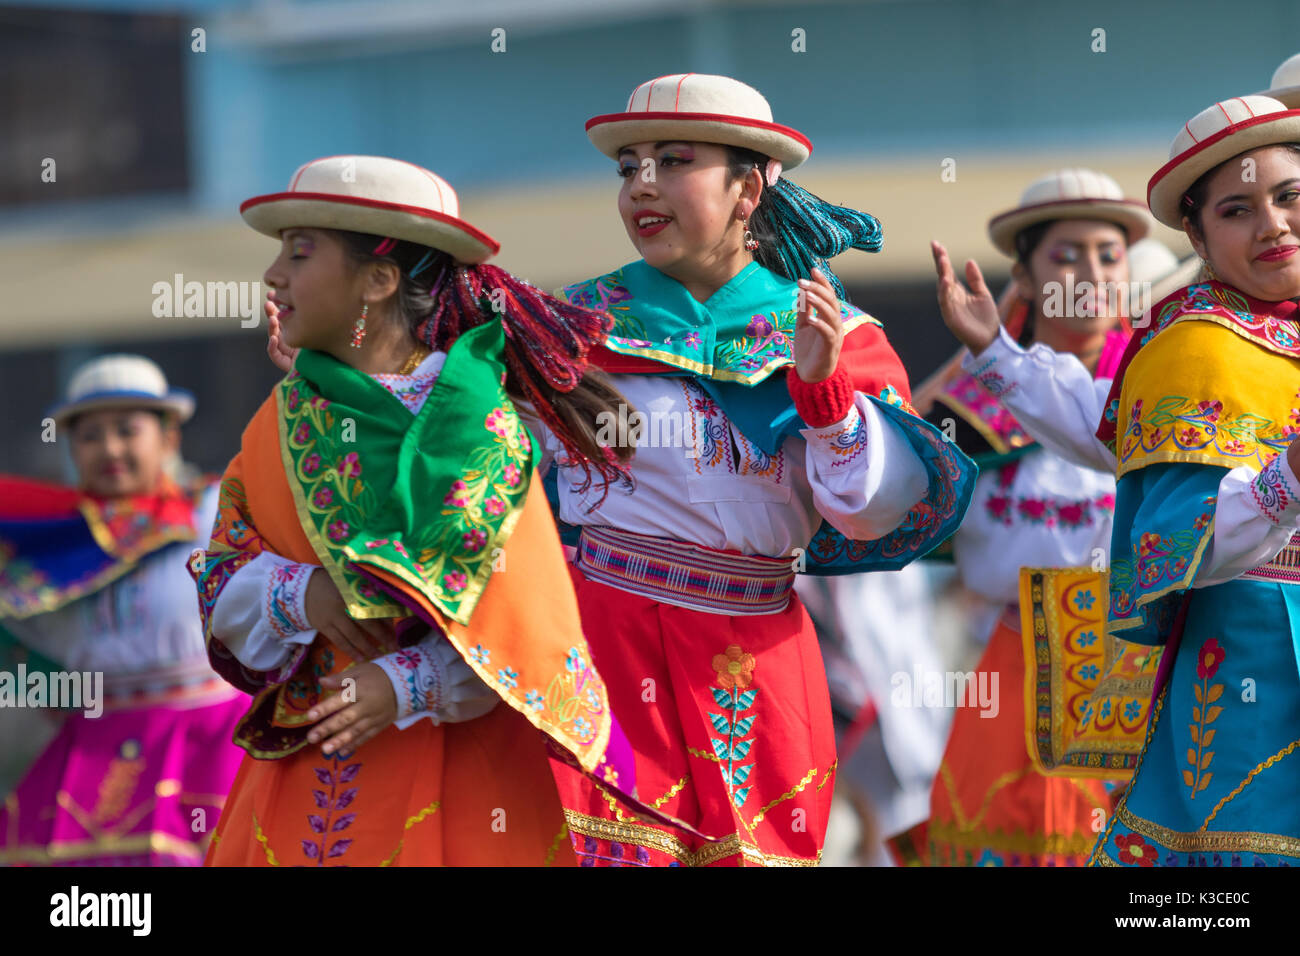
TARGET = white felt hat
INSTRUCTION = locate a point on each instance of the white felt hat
(1070, 194)
(122, 381)
(1285, 87)
(376, 195)
(699, 107)
(1214, 136)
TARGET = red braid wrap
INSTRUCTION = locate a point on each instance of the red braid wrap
(546, 340)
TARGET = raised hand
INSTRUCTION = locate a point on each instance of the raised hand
(818, 330)
(279, 353)
(972, 316)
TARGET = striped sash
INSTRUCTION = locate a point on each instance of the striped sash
(687, 575)
(1285, 568)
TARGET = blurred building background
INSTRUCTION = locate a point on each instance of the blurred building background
(160, 117)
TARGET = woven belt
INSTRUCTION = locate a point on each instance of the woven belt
(1285, 568)
(687, 575)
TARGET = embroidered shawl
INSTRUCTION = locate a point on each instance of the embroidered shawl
(411, 515)
(58, 545)
(734, 343)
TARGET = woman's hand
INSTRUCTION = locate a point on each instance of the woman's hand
(326, 611)
(280, 353)
(971, 316)
(818, 331)
(346, 721)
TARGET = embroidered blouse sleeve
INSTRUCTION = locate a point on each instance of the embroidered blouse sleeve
(431, 680)
(260, 614)
(1256, 515)
(1051, 394)
(865, 476)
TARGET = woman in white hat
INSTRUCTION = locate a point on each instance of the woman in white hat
(1285, 86)
(777, 439)
(385, 573)
(1201, 425)
(95, 592)
(1069, 238)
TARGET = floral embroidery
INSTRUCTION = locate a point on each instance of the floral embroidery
(716, 443)
(1002, 506)
(763, 344)
(710, 432)
(734, 668)
(285, 590)
(449, 560)
(992, 380)
(1204, 712)
(735, 671)
(1181, 424)
(847, 441)
(930, 520)
(969, 397)
(410, 390)
(480, 655)
(331, 803)
(754, 461)
(1214, 299)
(1135, 851)
(1157, 561)
(570, 699)
(1271, 492)
(416, 676)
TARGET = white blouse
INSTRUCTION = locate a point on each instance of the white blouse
(698, 479)
(1038, 511)
(1058, 402)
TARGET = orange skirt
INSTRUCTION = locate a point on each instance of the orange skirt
(989, 806)
(478, 793)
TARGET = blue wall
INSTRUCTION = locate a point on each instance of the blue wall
(879, 78)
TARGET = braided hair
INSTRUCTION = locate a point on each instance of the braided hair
(547, 342)
(799, 232)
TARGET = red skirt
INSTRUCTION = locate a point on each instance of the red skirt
(730, 721)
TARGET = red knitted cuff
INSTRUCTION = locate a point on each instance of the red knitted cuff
(821, 403)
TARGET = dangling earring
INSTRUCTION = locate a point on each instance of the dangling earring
(1209, 271)
(750, 242)
(359, 329)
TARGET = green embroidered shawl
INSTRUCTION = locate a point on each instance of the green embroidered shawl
(429, 498)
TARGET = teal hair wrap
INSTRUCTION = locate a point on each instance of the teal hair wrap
(809, 231)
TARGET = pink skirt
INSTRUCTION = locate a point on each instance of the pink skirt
(141, 785)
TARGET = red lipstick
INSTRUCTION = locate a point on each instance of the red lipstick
(644, 228)
(1278, 253)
